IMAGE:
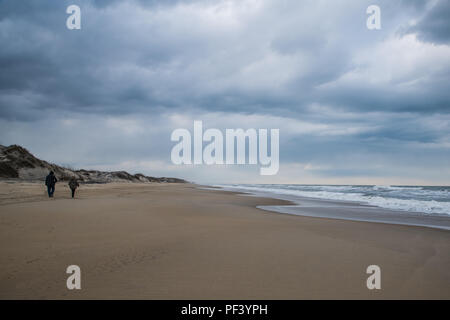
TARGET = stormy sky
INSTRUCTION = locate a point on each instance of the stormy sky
(354, 106)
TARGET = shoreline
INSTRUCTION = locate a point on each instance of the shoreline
(177, 241)
(348, 210)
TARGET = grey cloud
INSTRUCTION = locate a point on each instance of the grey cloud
(115, 65)
(435, 25)
(151, 58)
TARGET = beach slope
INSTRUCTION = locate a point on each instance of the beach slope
(177, 241)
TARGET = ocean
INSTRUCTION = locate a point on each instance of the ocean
(411, 205)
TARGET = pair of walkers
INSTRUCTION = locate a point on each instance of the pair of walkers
(50, 182)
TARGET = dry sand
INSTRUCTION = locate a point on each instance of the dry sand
(175, 241)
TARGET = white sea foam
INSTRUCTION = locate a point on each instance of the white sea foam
(412, 199)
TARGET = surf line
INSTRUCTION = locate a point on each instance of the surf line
(213, 153)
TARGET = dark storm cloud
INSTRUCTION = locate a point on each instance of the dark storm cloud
(308, 63)
(120, 58)
(435, 25)
(147, 55)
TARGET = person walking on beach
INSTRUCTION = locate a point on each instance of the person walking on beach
(50, 182)
(73, 184)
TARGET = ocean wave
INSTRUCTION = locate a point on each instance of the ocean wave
(411, 199)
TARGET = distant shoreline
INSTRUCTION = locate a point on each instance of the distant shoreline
(347, 210)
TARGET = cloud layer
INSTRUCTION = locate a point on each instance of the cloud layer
(353, 105)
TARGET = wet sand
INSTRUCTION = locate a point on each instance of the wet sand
(360, 212)
(176, 241)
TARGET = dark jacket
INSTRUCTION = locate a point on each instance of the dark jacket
(73, 184)
(50, 180)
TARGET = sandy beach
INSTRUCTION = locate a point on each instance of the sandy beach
(177, 241)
